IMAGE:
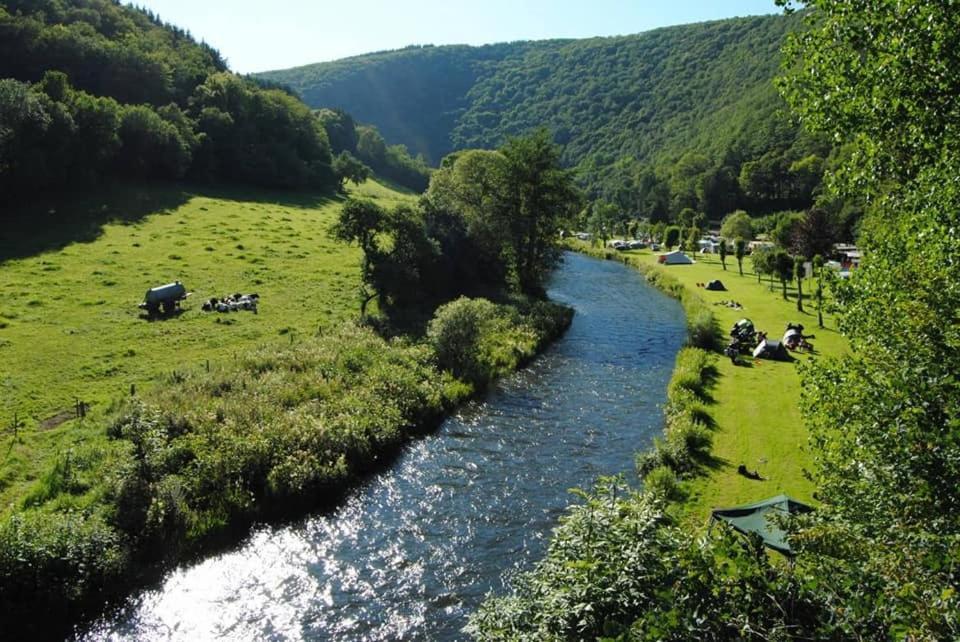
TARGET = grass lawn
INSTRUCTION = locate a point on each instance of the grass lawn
(72, 272)
(755, 407)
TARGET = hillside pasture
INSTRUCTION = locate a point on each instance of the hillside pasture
(70, 328)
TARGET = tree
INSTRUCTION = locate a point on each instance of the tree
(762, 261)
(686, 216)
(737, 225)
(883, 421)
(540, 196)
(346, 167)
(798, 270)
(814, 234)
(783, 268)
(341, 129)
(818, 273)
(671, 236)
(740, 250)
(602, 220)
(723, 253)
(360, 221)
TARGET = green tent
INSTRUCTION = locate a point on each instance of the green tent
(755, 518)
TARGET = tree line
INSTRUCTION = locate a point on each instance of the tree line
(655, 124)
(353, 143)
(94, 89)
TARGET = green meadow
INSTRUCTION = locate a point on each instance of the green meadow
(72, 272)
(755, 405)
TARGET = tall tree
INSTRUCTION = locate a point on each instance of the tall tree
(814, 233)
(798, 272)
(360, 221)
(818, 274)
(783, 268)
(737, 225)
(740, 250)
(540, 196)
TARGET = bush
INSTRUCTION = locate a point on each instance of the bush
(56, 558)
(456, 332)
(662, 482)
(478, 341)
(689, 372)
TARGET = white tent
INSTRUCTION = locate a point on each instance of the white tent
(675, 258)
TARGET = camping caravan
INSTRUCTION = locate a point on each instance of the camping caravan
(674, 258)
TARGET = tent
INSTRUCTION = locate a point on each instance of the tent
(675, 258)
(716, 286)
(770, 349)
(756, 518)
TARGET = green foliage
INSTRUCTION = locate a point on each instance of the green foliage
(510, 205)
(662, 482)
(539, 199)
(116, 92)
(365, 142)
(478, 341)
(257, 136)
(782, 268)
(740, 250)
(619, 568)
(275, 428)
(105, 48)
(762, 259)
(487, 218)
(627, 111)
(737, 225)
(671, 237)
(347, 168)
(64, 557)
(814, 234)
(883, 422)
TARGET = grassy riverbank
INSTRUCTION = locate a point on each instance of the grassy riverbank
(232, 418)
(753, 408)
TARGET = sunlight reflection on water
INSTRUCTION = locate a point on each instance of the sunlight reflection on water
(415, 549)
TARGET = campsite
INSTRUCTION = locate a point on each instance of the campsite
(609, 325)
(755, 410)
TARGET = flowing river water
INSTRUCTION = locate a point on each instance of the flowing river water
(416, 548)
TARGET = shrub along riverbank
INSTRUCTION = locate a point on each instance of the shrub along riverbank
(277, 431)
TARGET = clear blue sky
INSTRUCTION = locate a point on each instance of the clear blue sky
(257, 35)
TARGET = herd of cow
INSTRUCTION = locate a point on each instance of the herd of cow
(232, 303)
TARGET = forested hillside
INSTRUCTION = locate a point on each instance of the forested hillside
(92, 89)
(682, 117)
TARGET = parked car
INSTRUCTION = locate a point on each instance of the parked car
(637, 245)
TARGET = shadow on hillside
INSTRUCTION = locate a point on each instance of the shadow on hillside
(52, 222)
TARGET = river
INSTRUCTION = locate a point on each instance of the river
(414, 550)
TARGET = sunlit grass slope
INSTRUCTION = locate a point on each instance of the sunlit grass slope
(69, 324)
